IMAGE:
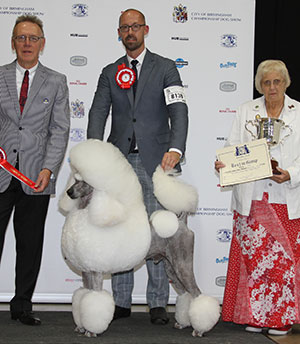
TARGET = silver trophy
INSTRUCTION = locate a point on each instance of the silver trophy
(270, 129)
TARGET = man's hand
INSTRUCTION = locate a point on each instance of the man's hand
(170, 160)
(284, 176)
(42, 180)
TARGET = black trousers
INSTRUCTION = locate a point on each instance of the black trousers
(29, 221)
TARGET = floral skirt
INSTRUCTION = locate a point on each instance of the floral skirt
(263, 277)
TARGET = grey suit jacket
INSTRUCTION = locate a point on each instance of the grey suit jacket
(157, 126)
(40, 135)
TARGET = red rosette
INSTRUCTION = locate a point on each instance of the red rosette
(125, 76)
(13, 171)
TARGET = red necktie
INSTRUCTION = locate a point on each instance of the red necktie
(24, 90)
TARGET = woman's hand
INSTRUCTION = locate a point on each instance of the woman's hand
(218, 165)
(284, 176)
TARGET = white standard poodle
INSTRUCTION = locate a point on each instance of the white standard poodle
(107, 230)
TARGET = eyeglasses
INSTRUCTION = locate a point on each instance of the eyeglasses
(268, 83)
(23, 38)
(134, 27)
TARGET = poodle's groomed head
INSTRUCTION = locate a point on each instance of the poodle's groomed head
(104, 168)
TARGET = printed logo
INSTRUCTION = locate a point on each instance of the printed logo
(180, 39)
(222, 260)
(78, 61)
(224, 235)
(77, 135)
(228, 86)
(241, 150)
(79, 35)
(78, 83)
(77, 108)
(180, 14)
(180, 63)
(228, 41)
(228, 65)
(220, 281)
(80, 10)
(227, 110)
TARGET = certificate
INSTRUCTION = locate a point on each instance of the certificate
(245, 162)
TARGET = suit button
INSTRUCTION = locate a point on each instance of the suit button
(129, 139)
(134, 120)
(20, 128)
(14, 151)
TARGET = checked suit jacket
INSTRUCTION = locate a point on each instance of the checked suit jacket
(40, 135)
(157, 127)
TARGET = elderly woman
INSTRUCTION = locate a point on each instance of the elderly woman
(263, 278)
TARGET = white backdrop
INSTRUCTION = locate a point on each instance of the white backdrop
(214, 53)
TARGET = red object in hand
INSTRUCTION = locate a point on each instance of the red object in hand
(13, 171)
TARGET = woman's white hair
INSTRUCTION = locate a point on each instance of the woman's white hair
(268, 66)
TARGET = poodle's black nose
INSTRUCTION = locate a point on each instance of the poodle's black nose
(70, 192)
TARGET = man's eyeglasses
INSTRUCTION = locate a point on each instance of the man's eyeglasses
(134, 27)
(23, 38)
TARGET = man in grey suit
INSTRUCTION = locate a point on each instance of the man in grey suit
(34, 131)
(149, 126)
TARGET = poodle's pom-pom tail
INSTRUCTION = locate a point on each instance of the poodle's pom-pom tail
(204, 313)
(96, 311)
(76, 299)
(173, 193)
(182, 310)
(165, 223)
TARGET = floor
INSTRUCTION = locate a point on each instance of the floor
(57, 328)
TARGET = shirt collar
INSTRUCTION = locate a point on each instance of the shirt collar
(140, 58)
(22, 70)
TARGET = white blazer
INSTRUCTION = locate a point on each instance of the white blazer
(289, 149)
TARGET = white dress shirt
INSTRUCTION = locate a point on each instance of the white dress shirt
(20, 71)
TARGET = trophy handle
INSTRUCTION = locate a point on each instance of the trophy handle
(287, 135)
(254, 124)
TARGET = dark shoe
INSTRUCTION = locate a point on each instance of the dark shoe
(26, 318)
(159, 316)
(121, 312)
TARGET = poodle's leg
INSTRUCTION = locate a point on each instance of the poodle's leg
(92, 280)
(180, 254)
(201, 311)
(97, 306)
(183, 299)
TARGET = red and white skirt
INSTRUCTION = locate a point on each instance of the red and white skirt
(263, 277)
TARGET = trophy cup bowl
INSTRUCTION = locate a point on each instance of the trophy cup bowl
(270, 129)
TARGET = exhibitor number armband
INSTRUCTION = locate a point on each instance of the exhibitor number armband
(174, 94)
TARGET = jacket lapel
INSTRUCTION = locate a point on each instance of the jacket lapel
(38, 80)
(130, 91)
(10, 80)
(146, 70)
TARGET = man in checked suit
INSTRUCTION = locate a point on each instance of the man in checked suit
(149, 126)
(34, 131)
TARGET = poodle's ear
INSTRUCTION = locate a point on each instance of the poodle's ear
(105, 211)
(65, 203)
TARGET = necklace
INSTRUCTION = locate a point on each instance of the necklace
(274, 114)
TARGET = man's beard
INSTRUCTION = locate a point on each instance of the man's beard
(131, 46)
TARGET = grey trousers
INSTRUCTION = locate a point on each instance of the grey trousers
(158, 284)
